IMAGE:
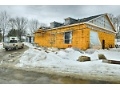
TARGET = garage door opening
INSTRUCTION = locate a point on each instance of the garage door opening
(94, 40)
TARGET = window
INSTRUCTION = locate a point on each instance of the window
(67, 37)
(13, 41)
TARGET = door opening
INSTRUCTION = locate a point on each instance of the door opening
(103, 44)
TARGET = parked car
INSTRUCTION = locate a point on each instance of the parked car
(13, 43)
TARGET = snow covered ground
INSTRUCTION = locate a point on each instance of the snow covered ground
(1, 45)
(64, 62)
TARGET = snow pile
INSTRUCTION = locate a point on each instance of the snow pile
(65, 61)
(118, 43)
(36, 57)
(40, 57)
(32, 56)
(74, 55)
(1, 45)
(29, 45)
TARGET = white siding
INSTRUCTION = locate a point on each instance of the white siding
(102, 22)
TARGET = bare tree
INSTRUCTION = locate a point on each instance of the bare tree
(33, 25)
(21, 25)
(43, 25)
(4, 18)
(12, 23)
(116, 22)
(117, 19)
(117, 25)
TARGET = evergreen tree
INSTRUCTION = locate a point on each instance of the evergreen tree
(12, 33)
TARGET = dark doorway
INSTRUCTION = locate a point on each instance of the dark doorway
(29, 39)
(103, 44)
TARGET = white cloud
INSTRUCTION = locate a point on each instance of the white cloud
(49, 13)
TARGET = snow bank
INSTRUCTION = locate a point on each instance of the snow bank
(112, 54)
(118, 43)
(31, 56)
(29, 45)
(65, 61)
(37, 57)
(69, 54)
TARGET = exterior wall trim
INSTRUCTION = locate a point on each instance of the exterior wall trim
(100, 27)
(64, 26)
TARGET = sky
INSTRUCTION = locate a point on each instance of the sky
(49, 13)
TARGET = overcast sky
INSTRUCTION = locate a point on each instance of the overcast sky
(50, 13)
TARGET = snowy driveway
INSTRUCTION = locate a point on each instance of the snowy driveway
(6, 56)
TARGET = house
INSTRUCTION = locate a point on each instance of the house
(29, 38)
(91, 32)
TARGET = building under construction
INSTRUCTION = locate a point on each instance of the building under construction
(91, 32)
